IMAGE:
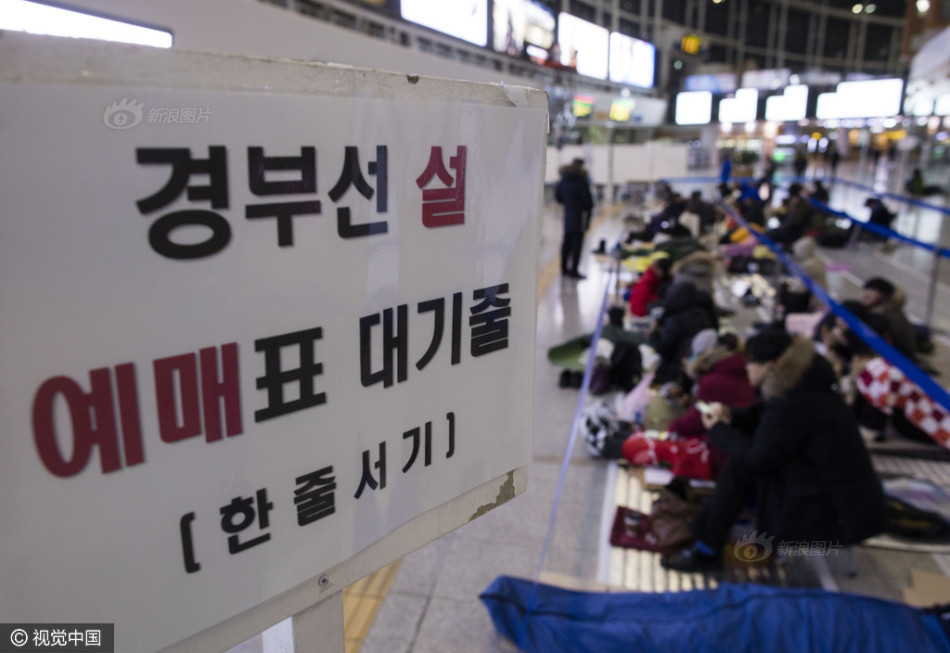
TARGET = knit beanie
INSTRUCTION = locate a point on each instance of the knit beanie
(705, 339)
(881, 285)
(767, 345)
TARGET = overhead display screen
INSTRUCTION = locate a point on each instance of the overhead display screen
(693, 108)
(632, 61)
(463, 19)
(584, 45)
(522, 26)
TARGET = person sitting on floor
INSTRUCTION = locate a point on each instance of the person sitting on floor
(709, 214)
(820, 192)
(881, 297)
(917, 187)
(673, 206)
(686, 311)
(717, 368)
(794, 296)
(880, 215)
(798, 452)
(650, 286)
(698, 268)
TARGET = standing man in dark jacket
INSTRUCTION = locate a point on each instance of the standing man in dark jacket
(805, 461)
(573, 191)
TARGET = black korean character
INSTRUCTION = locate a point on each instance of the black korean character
(414, 434)
(187, 543)
(274, 377)
(490, 327)
(314, 496)
(437, 307)
(442, 207)
(216, 192)
(351, 175)
(367, 477)
(394, 347)
(242, 509)
(257, 167)
(451, 418)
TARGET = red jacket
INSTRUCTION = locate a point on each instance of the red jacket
(721, 378)
(644, 291)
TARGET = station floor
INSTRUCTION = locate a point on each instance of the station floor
(428, 602)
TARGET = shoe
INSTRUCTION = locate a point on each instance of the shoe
(577, 275)
(601, 249)
(691, 560)
(564, 381)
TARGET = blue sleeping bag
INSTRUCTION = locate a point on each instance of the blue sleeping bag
(729, 619)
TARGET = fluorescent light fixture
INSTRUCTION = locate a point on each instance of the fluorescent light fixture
(789, 106)
(741, 108)
(878, 98)
(693, 108)
(584, 45)
(36, 18)
(463, 20)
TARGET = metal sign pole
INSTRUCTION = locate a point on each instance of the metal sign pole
(320, 628)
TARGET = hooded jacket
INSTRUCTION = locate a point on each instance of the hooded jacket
(815, 478)
(720, 377)
(686, 312)
(698, 268)
(573, 191)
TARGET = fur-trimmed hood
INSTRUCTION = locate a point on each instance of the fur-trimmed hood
(574, 170)
(893, 303)
(798, 368)
(695, 264)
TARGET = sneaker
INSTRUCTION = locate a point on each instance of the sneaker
(691, 560)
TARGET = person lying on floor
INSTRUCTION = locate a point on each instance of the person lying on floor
(797, 452)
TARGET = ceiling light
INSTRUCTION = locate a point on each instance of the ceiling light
(857, 9)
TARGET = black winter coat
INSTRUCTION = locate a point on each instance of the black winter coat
(686, 311)
(573, 191)
(815, 478)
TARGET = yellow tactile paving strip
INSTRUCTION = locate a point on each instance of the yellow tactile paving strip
(362, 600)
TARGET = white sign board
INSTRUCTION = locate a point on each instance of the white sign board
(248, 333)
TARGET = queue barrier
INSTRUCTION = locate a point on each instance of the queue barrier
(930, 387)
(938, 251)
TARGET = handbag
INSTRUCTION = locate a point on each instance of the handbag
(670, 519)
